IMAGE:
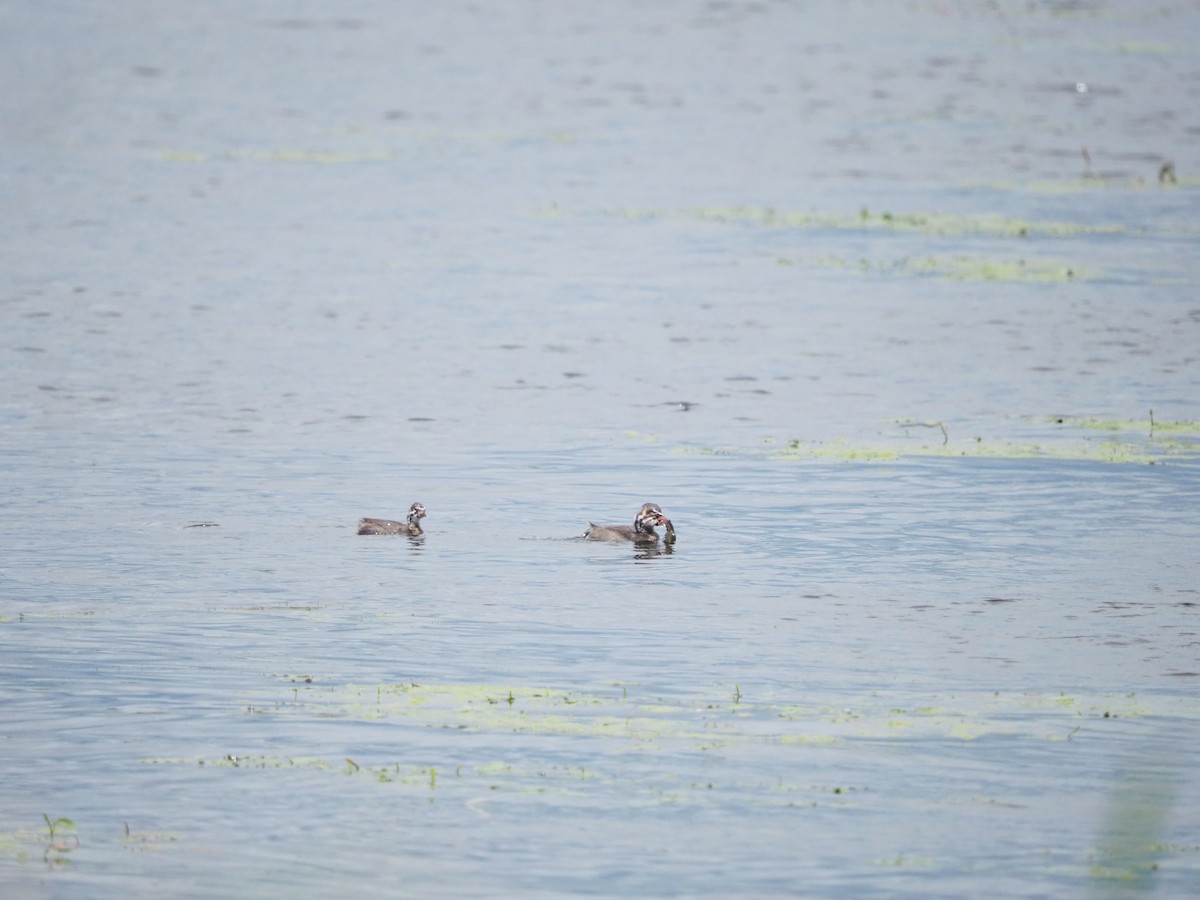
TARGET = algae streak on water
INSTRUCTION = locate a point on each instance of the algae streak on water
(941, 224)
(1081, 449)
(684, 752)
(961, 268)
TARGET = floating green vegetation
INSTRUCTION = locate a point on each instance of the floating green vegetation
(1085, 183)
(392, 772)
(1150, 426)
(365, 145)
(884, 450)
(1135, 441)
(959, 268)
(511, 742)
(19, 843)
(1152, 48)
(147, 841)
(839, 450)
(943, 224)
(1093, 451)
(727, 718)
(53, 844)
(184, 156)
(1158, 439)
(484, 707)
(275, 607)
(57, 838)
(1131, 846)
(966, 268)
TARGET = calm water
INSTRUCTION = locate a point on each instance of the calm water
(874, 299)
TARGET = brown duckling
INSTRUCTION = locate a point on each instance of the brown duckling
(642, 528)
(416, 513)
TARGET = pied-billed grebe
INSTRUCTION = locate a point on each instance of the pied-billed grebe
(641, 530)
(416, 513)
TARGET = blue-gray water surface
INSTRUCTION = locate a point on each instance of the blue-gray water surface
(892, 307)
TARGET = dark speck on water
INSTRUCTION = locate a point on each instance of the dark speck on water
(917, 273)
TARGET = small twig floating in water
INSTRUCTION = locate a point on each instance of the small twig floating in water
(475, 804)
(941, 425)
(1151, 424)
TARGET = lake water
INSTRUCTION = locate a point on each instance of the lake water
(892, 307)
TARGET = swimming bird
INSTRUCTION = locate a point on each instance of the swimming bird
(412, 526)
(642, 529)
